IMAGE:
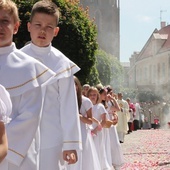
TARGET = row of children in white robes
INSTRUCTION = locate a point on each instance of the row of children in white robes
(88, 159)
(112, 146)
(101, 147)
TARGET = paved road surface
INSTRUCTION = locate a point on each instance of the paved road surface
(147, 150)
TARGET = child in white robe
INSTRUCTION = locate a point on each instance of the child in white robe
(99, 113)
(5, 111)
(22, 77)
(103, 98)
(116, 150)
(60, 124)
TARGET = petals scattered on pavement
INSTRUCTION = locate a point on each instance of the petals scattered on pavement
(147, 150)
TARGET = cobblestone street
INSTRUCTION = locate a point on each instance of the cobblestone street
(147, 150)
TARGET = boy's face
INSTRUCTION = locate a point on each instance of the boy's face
(42, 29)
(7, 28)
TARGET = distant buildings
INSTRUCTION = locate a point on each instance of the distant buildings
(126, 67)
(150, 68)
(106, 14)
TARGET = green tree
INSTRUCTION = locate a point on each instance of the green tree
(116, 72)
(148, 96)
(93, 77)
(103, 67)
(76, 38)
(24, 9)
(109, 69)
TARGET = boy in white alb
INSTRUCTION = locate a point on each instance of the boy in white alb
(22, 77)
(60, 124)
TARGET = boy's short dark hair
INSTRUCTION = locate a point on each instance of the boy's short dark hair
(46, 7)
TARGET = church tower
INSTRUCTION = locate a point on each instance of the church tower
(106, 14)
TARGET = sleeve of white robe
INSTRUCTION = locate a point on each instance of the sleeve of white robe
(69, 115)
(6, 105)
(25, 119)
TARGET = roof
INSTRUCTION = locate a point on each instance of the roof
(162, 38)
(165, 31)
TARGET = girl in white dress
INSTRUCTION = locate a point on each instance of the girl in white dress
(116, 150)
(89, 158)
(99, 113)
(5, 111)
(103, 97)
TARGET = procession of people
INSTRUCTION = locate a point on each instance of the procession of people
(48, 120)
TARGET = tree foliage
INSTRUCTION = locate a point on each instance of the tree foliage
(93, 77)
(78, 34)
(148, 96)
(109, 69)
(76, 38)
(103, 67)
(116, 72)
(24, 9)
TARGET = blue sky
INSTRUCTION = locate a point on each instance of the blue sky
(138, 19)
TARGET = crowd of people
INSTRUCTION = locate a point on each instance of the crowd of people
(155, 114)
(47, 119)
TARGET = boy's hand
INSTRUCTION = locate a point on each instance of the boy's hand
(70, 156)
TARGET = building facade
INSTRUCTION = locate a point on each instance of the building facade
(150, 68)
(106, 15)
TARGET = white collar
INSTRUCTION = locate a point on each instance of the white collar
(40, 50)
(7, 49)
